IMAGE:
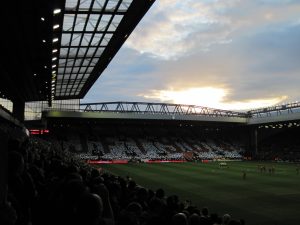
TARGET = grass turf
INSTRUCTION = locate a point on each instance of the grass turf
(260, 199)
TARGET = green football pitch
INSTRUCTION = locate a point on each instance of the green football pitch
(260, 199)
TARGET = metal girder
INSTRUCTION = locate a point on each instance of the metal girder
(278, 110)
(158, 108)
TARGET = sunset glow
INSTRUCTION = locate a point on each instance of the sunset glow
(210, 97)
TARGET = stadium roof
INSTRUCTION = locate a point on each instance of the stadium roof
(57, 49)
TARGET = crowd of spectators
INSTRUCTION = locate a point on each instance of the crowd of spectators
(162, 144)
(49, 186)
(150, 148)
(157, 150)
(283, 146)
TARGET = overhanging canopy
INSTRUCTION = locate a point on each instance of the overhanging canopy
(57, 49)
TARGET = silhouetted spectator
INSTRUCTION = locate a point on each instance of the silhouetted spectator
(226, 219)
(160, 193)
(179, 219)
(89, 210)
(194, 219)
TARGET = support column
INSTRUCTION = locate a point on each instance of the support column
(18, 110)
(3, 166)
(253, 140)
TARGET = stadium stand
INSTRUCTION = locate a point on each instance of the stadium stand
(50, 186)
(161, 144)
(283, 146)
(49, 181)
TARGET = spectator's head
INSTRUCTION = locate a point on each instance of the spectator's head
(172, 202)
(156, 205)
(194, 219)
(89, 209)
(215, 218)
(179, 219)
(135, 208)
(131, 184)
(242, 221)
(72, 169)
(204, 211)
(142, 194)
(160, 193)
(151, 194)
(226, 218)
(95, 173)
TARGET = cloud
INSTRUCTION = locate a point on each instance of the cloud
(176, 27)
(255, 67)
(248, 49)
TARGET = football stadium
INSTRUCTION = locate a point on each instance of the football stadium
(66, 160)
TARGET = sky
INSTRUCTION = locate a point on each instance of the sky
(226, 54)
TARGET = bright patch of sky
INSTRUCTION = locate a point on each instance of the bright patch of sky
(210, 97)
